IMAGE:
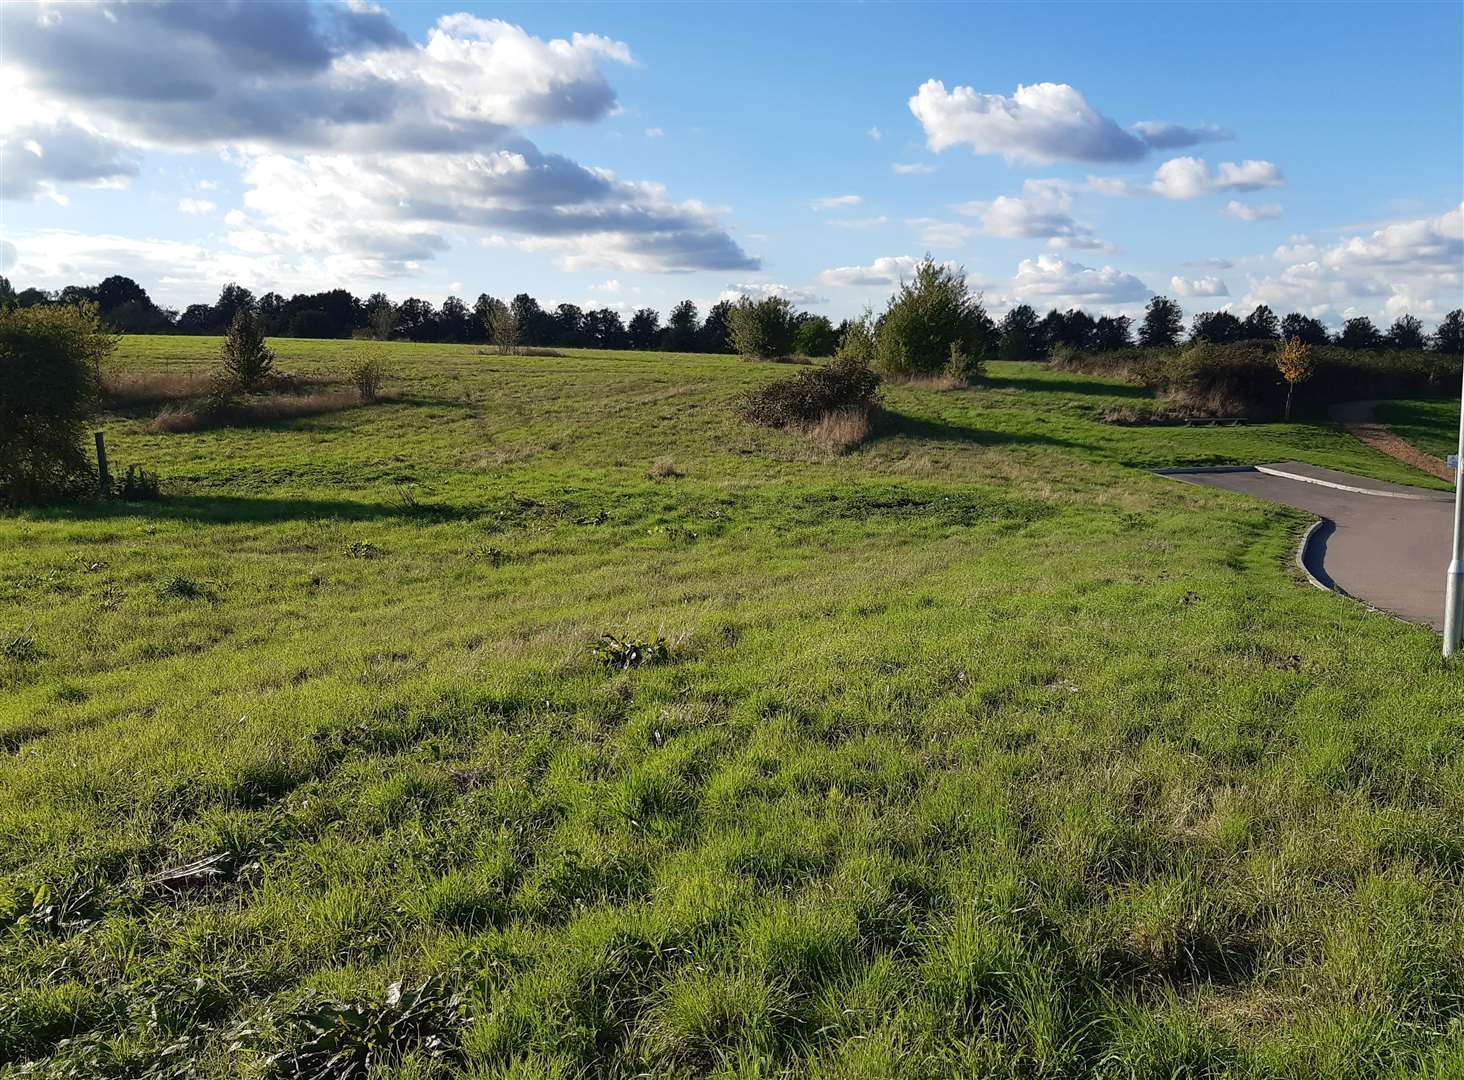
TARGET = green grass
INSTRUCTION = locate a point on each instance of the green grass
(979, 751)
(1430, 425)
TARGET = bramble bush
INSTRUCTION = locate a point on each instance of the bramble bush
(807, 397)
(50, 382)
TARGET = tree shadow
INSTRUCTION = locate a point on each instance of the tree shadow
(237, 510)
(1085, 387)
(892, 424)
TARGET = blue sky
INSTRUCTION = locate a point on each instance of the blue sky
(1311, 157)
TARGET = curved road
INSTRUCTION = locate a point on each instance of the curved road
(1387, 545)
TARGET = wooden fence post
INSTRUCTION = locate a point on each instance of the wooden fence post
(104, 478)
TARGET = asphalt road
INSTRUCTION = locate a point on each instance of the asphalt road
(1388, 552)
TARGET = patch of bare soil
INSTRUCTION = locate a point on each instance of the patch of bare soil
(1359, 418)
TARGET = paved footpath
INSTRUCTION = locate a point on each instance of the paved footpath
(1386, 544)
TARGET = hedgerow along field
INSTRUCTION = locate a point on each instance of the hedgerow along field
(977, 751)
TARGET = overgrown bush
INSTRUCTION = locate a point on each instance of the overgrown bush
(761, 328)
(858, 341)
(927, 316)
(139, 485)
(962, 367)
(368, 373)
(50, 381)
(807, 397)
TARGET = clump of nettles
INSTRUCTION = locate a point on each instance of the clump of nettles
(626, 653)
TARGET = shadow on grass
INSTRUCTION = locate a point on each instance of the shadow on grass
(892, 424)
(233, 509)
(1079, 385)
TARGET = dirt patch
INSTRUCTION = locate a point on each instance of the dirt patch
(1359, 418)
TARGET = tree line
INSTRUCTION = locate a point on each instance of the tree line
(1021, 334)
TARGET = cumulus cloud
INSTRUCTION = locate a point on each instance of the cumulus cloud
(196, 206)
(1162, 136)
(886, 270)
(935, 233)
(1052, 279)
(1251, 211)
(1042, 123)
(1415, 265)
(1191, 177)
(833, 202)
(35, 157)
(1040, 212)
(798, 297)
(356, 141)
(1205, 286)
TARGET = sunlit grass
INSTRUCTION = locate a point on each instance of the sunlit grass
(980, 749)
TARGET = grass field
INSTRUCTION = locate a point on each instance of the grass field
(980, 751)
(1432, 426)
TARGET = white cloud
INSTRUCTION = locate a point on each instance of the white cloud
(935, 233)
(887, 270)
(196, 206)
(798, 297)
(1043, 122)
(912, 168)
(1190, 177)
(1415, 266)
(833, 202)
(37, 156)
(1040, 212)
(1205, 286)
(654, 133)
(8, 256)
(1251, 211)
(858, 223)
(875, 133)
(610, 286)
(207, 185)
(1052, 279)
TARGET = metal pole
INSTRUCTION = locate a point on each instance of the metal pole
(1454, 592)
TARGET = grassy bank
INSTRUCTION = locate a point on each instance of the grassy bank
(979, 750)
(1430, 425)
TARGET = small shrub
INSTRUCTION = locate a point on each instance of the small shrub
(245, 359)
(139, 485)
(664, 469)
(807, 397)
(858, 341)
(962, 367)
(364, 549)
(625, 653)
(367, 374)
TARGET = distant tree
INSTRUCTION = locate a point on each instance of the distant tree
(1406, 333)
(1021, 335)
(1073, 328)
(645, 329)
(1112, 332)
(1304, 329)
(761, 328)
(139, 317)
(682, 327)
(714, 335)
(505, 329)
(569, 326)
(1294, 361)
(1216, 327)
(930, 317)
(32, 297)
(1449, 337)
(815, 336)
(72, 295)
(7, 293)
(1360, 333)
(857, 341)
(1162, 325)
(454, 321)
(533, 325)
(274, 313)
(232, 297)
(1260, 325)
(246, 360)
(604, 329)
(50, 374)
(196, 319)
(417, 319)
(117, 290)
(309, 323)
(381, 316)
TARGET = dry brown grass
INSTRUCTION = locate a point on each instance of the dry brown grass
(800, 361)
(841, 431)
(936, 382)
(199, 417)
(152, 387)
(664, 469)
